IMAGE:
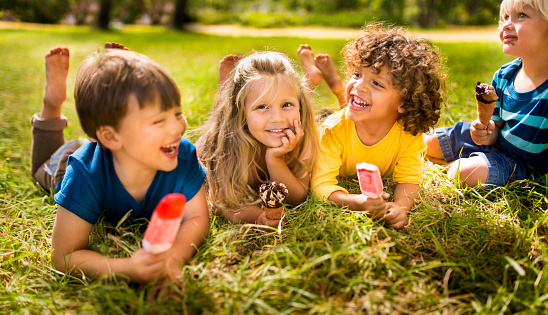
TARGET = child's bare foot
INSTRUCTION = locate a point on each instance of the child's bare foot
(226, 65)
(114, 45)
(331, 76)
(57, 66)
(313, 74)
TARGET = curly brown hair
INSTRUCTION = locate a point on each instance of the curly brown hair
(414, 65)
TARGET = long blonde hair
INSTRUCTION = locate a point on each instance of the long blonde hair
(227, 147)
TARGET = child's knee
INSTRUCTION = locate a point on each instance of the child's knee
(469, 171)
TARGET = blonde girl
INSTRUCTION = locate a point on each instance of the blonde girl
(261, 128)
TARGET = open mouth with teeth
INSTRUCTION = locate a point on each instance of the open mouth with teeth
(276, 130)
(170, 149)
(358, 103)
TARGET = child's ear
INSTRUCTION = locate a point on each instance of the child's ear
(108, 137)
(401, 109)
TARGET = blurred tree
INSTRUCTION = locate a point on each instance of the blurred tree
(219, 5)
(37, 11)
(342, 5)
(393, 10)
(103, 16)
(128, 11)
(481, 12)
(428, 13)
(155, 9)
(80, 9)
(180, 15)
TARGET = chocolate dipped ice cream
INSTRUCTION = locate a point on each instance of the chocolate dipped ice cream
(273, 194)
(486, 101)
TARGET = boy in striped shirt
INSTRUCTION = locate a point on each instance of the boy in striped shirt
(514, 144)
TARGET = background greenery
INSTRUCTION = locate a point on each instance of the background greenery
(464, 251)
(258, 13)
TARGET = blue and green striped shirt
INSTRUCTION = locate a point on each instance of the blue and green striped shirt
(525, 132)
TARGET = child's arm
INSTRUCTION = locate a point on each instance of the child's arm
(404, 198)
(280, 172)
(249, 214)
(70, 241)
(192, 233)
(376, 207)
(485, 135)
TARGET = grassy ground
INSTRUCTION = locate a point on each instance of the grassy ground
(465, 250)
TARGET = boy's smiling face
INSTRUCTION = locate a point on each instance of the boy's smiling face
(524, 33)
(148, 138)
(372, 97)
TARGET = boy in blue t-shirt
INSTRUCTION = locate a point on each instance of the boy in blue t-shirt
(514, 144)
(131, 107)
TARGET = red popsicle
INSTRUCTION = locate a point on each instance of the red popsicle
(370, 179)
(164, 223)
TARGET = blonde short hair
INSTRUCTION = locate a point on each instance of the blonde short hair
(539, 5)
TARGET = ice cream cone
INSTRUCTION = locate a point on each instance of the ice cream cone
(273, 194)
(485, 112)
(274, 213)
(486, 102)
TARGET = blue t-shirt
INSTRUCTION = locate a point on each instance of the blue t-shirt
(91, 186)
(525, 117)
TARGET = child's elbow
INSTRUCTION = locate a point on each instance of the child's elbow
(58, 260)
(205, 224)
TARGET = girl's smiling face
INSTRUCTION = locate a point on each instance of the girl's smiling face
(371, 96)
(271, 107)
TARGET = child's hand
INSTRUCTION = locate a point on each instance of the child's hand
(396, 217)
(376, 207)
(144, 266)
(288, 143)
(481, 134)
(263, 220)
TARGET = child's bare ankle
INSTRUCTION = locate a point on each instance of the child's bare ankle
(313, 74)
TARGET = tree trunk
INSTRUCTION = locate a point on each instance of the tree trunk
(179, 15)
(103, 16)
(428, 13)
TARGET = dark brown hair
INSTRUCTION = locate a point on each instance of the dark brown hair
(105, 80)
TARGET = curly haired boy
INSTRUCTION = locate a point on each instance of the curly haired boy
(394, 93)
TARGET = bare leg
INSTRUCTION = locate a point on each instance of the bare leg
(313, 74)
(114, 45)
(226, 65)
(48, 126)
(469, 171)
(57, 65)
(331, 76)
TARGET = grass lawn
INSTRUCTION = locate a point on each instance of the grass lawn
(464, 251)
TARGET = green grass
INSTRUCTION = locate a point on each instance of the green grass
(464, 251)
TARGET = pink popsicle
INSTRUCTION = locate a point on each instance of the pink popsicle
(370, 179)
(164, 223)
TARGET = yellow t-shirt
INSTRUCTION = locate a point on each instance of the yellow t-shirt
(399, 155)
